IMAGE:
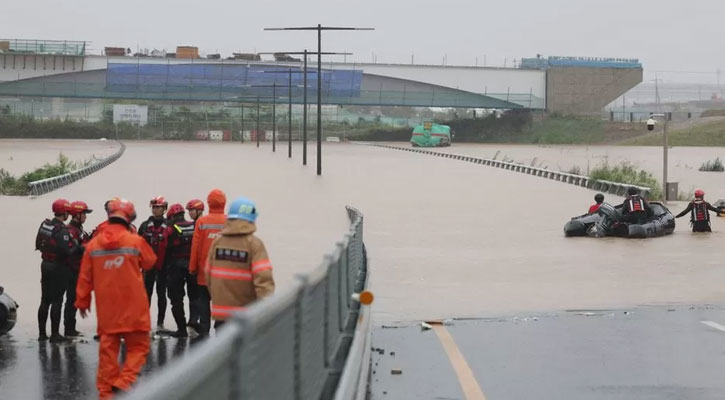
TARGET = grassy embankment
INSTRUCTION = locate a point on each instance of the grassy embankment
(18, 186)
(710, 134)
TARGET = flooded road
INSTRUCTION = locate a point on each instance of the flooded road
(445, 238)
(20, 156)
(683, 161)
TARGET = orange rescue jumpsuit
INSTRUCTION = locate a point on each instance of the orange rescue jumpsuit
(207, 228)
(111, 267)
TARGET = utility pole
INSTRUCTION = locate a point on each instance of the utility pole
(274, 117)
(304, 114)
(319, 28)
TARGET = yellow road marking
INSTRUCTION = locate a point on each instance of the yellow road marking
(469, 384)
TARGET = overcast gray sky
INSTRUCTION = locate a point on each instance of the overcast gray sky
(666, 35)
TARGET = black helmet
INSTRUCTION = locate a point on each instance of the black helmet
(599, 198)
(632, 191)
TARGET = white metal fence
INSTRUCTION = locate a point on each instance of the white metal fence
(617, 188)
(310, 342)
(50, 184)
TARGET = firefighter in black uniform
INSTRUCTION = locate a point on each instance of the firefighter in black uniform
(78, 212)
(178, 250)
(196, 209)
(699, 211)
(54, 242)
(153, 230)
(635, 209)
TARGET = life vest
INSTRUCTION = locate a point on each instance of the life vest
(46, 239)
(79, 238)
(154, 234)
(699, 212)
(180, 240)
(634, 204)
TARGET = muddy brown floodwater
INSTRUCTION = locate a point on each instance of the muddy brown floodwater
(20, 156)
(445, 238)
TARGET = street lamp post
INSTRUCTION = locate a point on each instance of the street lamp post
(256, 128)
(290, 71)
(256, 99)
(289, 116)
(304, 115)
(305, 72)
(274, 117)
(664, 150)
(319, 28)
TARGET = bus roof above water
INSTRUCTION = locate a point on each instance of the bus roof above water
(431, 135)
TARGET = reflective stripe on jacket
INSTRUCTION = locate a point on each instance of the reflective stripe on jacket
(208, 228)
(111, 267)
(239, 271)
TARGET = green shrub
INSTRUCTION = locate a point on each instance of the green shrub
(712, 166)
(12, 186)
(627, 173)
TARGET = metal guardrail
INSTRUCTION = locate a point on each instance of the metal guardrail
(48, 185)
(310, 342)
(617, 188)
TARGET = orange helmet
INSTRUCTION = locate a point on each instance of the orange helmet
(122, 209)
(159, 201)
(699, 193)
(175, 208)
(105, 205)
(61, 206)
(195, 204)
(79, 207)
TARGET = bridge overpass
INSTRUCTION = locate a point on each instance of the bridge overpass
(574, 88)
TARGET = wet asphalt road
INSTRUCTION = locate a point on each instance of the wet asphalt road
(662, 352)
(33, 370)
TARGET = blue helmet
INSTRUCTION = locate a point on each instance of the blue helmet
(242, 208)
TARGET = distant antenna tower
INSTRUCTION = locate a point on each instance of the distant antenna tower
(717, 73)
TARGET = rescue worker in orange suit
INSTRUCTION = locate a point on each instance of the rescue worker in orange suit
(699, 211)
(153, 230)
(239, 271)
(598, 199)
(207, 229)
(131, 227)
(78, 212)
(111, 267)
(56, 247)
(178, 250)
(196, 210)
(635, 209)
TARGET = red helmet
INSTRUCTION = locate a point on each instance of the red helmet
(61, 206)
(79, 207)
(699, 193)
(122, 209)
(195, 204)
(175, 208)
(159, 201)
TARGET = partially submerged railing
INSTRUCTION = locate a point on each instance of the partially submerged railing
(600, 185)
(310, 342)
(47, 185)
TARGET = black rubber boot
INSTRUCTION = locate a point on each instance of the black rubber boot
(57, 338)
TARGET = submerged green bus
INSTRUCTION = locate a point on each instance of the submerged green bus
(431, 135)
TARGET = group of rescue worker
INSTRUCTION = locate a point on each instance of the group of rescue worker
(215, 258)
(636, 210)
